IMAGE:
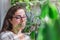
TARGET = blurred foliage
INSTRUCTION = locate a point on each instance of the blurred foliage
(47, 29)
(13, 2)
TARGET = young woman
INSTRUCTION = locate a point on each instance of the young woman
(14, 23)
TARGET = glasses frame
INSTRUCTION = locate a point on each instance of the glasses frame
(19, 17)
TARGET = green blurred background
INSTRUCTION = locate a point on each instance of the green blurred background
(43, 18)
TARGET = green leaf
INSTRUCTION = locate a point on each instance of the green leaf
(53, 11)
(32, 35)
(40, 32)
(44, 10)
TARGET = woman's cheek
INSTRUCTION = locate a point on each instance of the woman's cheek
(17, 21)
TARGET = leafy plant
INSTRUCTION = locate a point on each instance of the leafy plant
(49, 32)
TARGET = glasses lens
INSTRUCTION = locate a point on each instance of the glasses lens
(17, 17)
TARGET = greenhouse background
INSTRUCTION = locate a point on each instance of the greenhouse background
(43, 17)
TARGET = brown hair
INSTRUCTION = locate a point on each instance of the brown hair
(6, 24)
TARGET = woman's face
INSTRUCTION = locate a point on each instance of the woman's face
(19, 18)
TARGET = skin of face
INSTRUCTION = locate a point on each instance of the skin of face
(15, 22)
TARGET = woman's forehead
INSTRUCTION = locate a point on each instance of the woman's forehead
(20, 12)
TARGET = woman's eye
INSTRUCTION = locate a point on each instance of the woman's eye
(18, 17)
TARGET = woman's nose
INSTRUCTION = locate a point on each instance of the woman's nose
(22, 19)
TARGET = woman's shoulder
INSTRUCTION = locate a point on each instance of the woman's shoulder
(6, 34)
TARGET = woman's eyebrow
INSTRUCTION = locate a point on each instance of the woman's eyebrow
(17, 15)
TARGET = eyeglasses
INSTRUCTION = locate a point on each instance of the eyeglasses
(19, 17)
